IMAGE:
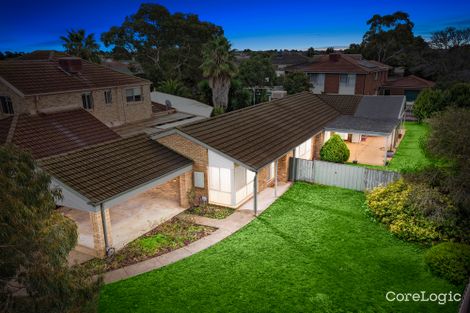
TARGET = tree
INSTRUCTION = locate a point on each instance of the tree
(450, 37)
(310, 52)
(448, 139)
(296, 82)
(173, 87)
(257, 71)
(330, 50)
(238, 96)
(219, 68)
(168, 46)
(353, 48)
(428, 101)
(77, 43)
(35, 241)
(335, 150)
(388, 37)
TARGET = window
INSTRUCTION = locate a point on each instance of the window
(303, 151)
(133, 94)
(87, 101)
(7, 105)
(108, 97)
(219, 179)
(344, 79)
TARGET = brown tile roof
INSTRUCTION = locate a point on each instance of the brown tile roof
(43, 55)
(345, 104)
(410, 81)
(344, 64)
(54, 133)
(33, 77)
(257, 135)
(106, 170)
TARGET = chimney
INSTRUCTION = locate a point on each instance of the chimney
(334, 57)
(71, 65)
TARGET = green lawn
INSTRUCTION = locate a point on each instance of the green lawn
(313, 250)
(409, 153)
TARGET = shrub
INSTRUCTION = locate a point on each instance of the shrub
(451, 261)
(335, 150)
(428, 102)
(391, 205)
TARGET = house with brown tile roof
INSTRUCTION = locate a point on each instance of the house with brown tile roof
(343, 74)
(241, 153)
(409, 86)
(128, 184)
(44, 81)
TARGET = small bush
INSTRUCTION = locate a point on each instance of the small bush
(335, 150)
(450, 261)
(391, 205)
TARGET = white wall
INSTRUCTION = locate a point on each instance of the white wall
(72, 199)
(304, 150)
(221, 179)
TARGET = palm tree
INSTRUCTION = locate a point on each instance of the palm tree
(219, 67)
(77, 43)
(173, 87)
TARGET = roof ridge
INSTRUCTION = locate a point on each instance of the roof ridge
(251, 107)
(11, 131)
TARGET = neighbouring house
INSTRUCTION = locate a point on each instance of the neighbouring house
(344, 74)
(409, 86)
(284, 59)
(370, 125)
(44, 81)
(114, 188)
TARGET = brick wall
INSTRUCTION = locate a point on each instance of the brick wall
(331, 83)
(98, 234)
(193, 151)
(283, 167)
(317, 143)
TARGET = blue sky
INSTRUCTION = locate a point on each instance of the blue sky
(31, 25)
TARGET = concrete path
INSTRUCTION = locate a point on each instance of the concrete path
(225, 228)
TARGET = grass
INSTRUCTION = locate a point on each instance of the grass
(212, 211)
(409, 155)
(313, 250)
(167, 237)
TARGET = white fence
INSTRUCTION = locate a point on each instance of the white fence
(342, 175)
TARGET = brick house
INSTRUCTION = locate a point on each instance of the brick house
(239, 154)
(344, 74)
(43, 82)
(114, 188)
(409, 86)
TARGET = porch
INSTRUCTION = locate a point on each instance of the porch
(370, 150)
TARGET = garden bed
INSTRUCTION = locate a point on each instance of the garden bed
(169, 236)
(212, 211)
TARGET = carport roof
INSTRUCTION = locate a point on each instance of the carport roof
(104, 171)
(347, 123)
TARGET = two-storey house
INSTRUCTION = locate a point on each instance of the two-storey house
(46, 82)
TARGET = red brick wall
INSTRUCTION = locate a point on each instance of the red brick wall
(331, 83)
(360, 82)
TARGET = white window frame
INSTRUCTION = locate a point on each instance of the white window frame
(134, 94)
(6, 105)
(87, 101)
(217, 182)
(108, 96)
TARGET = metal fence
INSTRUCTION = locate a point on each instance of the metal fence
(341, 175)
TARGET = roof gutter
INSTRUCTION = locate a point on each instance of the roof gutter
(83, 89)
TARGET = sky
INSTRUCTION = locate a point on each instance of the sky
(257, 25)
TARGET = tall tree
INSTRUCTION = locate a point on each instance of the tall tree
(256, 73)
(296, 82)
(219, 68)
(168, 46)
(77, 43)
(35, 241)
(388, 36)
(450, 37)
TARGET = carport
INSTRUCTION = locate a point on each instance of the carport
(119, 190)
